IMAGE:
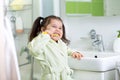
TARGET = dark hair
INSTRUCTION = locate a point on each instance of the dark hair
(43, 22)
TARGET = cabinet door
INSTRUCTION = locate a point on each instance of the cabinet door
(112, 7)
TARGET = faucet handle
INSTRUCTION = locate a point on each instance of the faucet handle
(93, 34)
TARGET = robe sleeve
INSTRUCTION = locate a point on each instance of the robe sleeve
(37, 44)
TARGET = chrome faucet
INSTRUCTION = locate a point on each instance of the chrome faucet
(97, 41)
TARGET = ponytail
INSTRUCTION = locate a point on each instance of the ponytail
(36, 28)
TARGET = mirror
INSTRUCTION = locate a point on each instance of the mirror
(92, 7)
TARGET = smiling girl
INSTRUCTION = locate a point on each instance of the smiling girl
(48, 44)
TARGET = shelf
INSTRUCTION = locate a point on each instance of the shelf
(25, 7)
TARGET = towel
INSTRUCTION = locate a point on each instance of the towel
(2, 56)
(17, 4)
(117, 74)
(9, 69)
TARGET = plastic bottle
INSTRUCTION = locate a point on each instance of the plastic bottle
(116, 44)
(19, 25)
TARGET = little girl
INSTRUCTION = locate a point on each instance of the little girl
(48, 44)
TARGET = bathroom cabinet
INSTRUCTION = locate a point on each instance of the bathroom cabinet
(112, 7)
(94, 75)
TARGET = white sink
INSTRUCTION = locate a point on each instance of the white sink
(104, 61)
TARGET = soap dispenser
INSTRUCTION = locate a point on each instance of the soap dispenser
(116, 44)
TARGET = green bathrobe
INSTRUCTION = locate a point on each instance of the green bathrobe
(52, 57)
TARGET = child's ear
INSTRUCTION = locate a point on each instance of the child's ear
(42, 29)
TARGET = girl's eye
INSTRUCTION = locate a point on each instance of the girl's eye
(60, 28)
(54, 26)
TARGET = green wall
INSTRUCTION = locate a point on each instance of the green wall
(95, 8)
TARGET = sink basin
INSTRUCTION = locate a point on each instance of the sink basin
(95, 61)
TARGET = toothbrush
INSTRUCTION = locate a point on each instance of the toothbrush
(55, 35)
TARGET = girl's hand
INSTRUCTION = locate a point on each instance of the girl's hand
(77, 55)
(48, 32)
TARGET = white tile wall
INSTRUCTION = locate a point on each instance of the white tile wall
(79, 27)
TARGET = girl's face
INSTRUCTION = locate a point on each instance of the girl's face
(55, 29)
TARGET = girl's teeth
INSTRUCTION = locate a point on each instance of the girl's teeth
(55, 35)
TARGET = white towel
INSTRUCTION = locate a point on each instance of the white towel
(117, 74)
(9, 69)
